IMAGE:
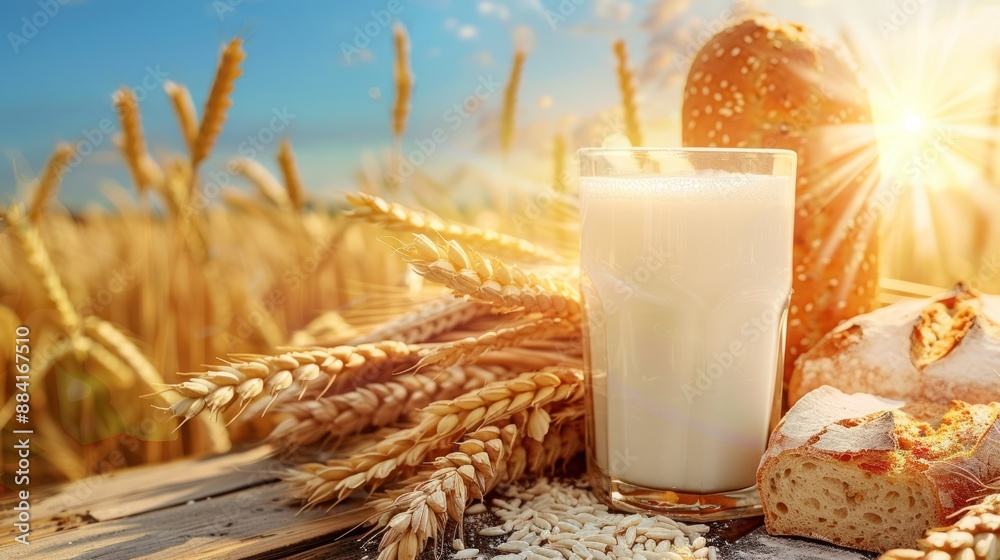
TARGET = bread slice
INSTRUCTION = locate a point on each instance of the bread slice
(862, 472)
(936, 350)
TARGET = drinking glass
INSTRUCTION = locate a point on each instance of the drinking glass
(686, 259)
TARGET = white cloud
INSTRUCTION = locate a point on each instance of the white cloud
(450, 23)
(492, 9)
(616, 11)
(467, 32)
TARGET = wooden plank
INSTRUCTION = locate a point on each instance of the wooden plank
(135, 491)
(252, 523)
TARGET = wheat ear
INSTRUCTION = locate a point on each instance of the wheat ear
(486, 458)
(254, 375)
(627, 87)
(398, 217)
(219, 101)
(145, 173)
(290, 172)
(374, 405)
(41, 265)
(491, 280)
(187, 116)
(469, 349)
(510, 101)
(266, 183)
(976, 535)
(441, 423)
(49, 180)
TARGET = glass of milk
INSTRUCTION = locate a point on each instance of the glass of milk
(686, 259)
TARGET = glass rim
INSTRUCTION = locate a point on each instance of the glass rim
(595, 150)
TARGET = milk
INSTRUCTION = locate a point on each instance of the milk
(686, 280)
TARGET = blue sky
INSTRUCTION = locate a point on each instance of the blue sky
(59, 76)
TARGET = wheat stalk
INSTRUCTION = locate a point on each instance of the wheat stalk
(491, 280)
(373, 405)
(441, 423)
(49, 180)
(107, 335)
(559, 164)
(145, 173)
(187, 116)
(976, 535)
(254, 375)
(486, 458)
(219, 101)
(510, 101)
(439, 316)
(627, 88)
(402, 78)
(267, 185)
(290, 172)
(398, 217)
(469, 349)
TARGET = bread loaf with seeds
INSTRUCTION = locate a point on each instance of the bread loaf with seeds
(764, 84)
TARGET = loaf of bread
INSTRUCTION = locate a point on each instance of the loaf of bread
(934, 350)
(864, 472)
(764, 84)
(975, 536)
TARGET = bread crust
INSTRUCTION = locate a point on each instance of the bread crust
(873, 444)
(935, 350)
(764, 84)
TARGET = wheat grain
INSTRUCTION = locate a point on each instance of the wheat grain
(976, 535)
(290, 172)
(627, 87)
(490, 280)
(557, 519)
(373, 405)
(467, 350)
(145, 173)
(219, 101)
(187, 116)
(441, 423)
(486, 458)
(267, 185)
(398, 217)
(48, 182)
(510, 101)
(254, 375)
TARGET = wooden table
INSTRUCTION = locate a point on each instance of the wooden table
(234, 507)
